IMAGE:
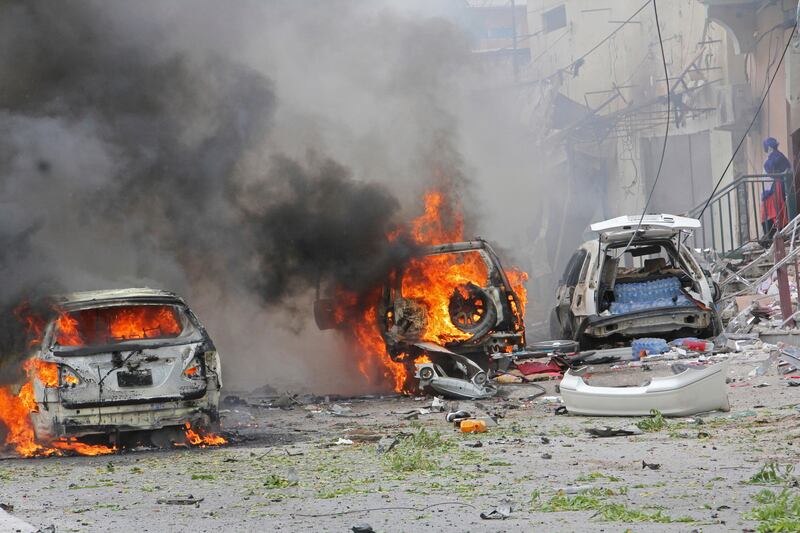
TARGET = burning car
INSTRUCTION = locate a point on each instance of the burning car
(120, 361)
(447, 311)
(622, 286)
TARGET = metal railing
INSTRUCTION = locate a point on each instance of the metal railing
(734, 215)
(790, 234)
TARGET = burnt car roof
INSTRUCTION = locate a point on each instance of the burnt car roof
(80, 299)
(465, 246)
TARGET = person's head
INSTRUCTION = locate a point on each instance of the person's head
(770, 143)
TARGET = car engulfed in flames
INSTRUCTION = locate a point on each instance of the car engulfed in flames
(443, 316)
(108, 365)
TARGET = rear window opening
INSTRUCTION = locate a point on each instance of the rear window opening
(647, 276)
(110, 325)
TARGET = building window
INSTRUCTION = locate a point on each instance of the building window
(554, 19)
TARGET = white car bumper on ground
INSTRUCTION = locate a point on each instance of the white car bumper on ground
(695, 390)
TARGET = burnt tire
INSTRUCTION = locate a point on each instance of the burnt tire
(472, 310)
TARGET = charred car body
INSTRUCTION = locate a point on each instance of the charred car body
(453, 306)
(620, 286)
(127, 361)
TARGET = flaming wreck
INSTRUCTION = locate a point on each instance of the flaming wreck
(111, 365)
(443, 317)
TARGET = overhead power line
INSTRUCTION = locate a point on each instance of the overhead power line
(666, 128)
(753, 121)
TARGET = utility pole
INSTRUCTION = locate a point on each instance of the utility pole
(514, 38)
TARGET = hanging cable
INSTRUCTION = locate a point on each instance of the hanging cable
(750, 126)
(578, 62)
(666, 130)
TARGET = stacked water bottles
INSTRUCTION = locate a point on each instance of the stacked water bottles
(649, 346)
(632, 297)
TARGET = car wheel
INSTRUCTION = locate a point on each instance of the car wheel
(472, 310)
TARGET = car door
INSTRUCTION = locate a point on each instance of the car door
(566, 293)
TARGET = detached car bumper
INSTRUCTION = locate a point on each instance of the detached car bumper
(55, 420)
(695, 390)
(651, 322)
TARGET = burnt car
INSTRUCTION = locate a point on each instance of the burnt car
(450, 311)
(622, 286)
(129, 360)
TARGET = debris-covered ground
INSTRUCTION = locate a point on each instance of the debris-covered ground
(395, 462)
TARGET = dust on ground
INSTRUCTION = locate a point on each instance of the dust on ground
(285, 466)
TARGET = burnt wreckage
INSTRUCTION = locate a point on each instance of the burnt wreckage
(128, 360)
(453, 339)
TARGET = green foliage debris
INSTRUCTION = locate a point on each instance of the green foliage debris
(656, 422)
(274, 481)
(772, 474)
(776, 512)
(595, 500)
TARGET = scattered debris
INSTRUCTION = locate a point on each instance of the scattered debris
(182, 499)
(457, 416)
(285, 401)
(607, 431)
(437, 405)
(430, 376)
(651, 466)
(12, 523)
(232, 400)
(362, 435)
(530, 368)
(476, 444)
(386, 444)
(363, 528)
(546, 456)
(343, 410)
(472, 426)
(500, 512)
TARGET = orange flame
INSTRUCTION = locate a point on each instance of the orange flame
(68, 334)
(14, 412)
(46, 372)
(201, 438)
(95, 326)
(428, 281)
(34, 324)
(431, 280)
(518, 278)
(73, 445)
(122, 323)
(14, 415)
(374, 359)
(144, 321)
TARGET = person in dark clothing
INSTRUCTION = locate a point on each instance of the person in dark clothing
(773, 200)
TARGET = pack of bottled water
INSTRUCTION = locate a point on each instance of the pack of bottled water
(633, 297)
(650, 346)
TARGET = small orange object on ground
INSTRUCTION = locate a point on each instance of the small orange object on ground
(473, 426)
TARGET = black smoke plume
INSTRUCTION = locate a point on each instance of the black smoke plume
(127, 159)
